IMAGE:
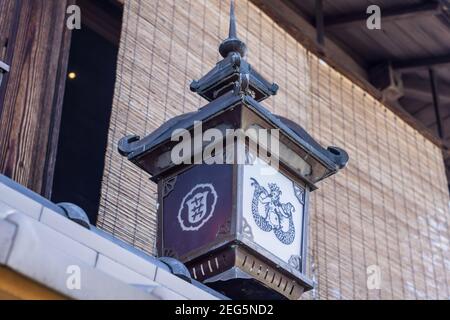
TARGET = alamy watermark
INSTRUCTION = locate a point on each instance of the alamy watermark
(73, 21)
(374, 20)
(373, 277)
(73, 281)
(226, 146)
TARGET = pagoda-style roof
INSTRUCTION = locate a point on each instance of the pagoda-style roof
(230, 83)
(134, 148)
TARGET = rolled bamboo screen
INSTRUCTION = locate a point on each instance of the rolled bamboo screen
(389, 208)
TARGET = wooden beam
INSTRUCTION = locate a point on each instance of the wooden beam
(319, 22)
(445, 16)
(289, 18)
(422, 110)
(387, 15)
(419, 88)
(428, 118)
(437, 111)
(103, 18)
(424, 62)
(31, 91)
(9, 19)
(434, 125)
(285, 14)
(56, 114)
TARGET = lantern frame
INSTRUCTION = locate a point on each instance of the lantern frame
(218, 254)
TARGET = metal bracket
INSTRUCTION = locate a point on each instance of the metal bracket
(296, 262)
(4, 68)
(169, 185)
(388, 80)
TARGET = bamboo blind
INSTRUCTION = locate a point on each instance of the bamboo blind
(389, 208)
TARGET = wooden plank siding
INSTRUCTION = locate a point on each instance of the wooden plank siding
(8, 24)
(33, 92)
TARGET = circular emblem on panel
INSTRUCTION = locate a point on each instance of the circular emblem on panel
(197, 207)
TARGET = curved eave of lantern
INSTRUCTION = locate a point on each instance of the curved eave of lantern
(134, 148)
(333, 159)
(230, 83)
(224, 75)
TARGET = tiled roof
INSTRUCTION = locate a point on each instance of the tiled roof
(38, 241)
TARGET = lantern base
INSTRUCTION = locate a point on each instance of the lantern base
(238, 285)
(239, 273)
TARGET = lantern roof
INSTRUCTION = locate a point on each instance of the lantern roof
(230, 83)
(233, 68)
(134, 148)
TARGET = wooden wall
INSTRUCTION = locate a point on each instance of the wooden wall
(9, 18)
(30, 100)
(389, 208)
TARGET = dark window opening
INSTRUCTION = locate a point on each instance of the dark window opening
(87, 106)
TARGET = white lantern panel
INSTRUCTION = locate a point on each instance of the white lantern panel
(273, 209)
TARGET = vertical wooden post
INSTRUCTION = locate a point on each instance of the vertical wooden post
(33, 93)
(320, 26)
(9, 18)
(437, 111)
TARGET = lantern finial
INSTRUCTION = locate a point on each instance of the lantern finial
(232, 33)
(232, 43)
